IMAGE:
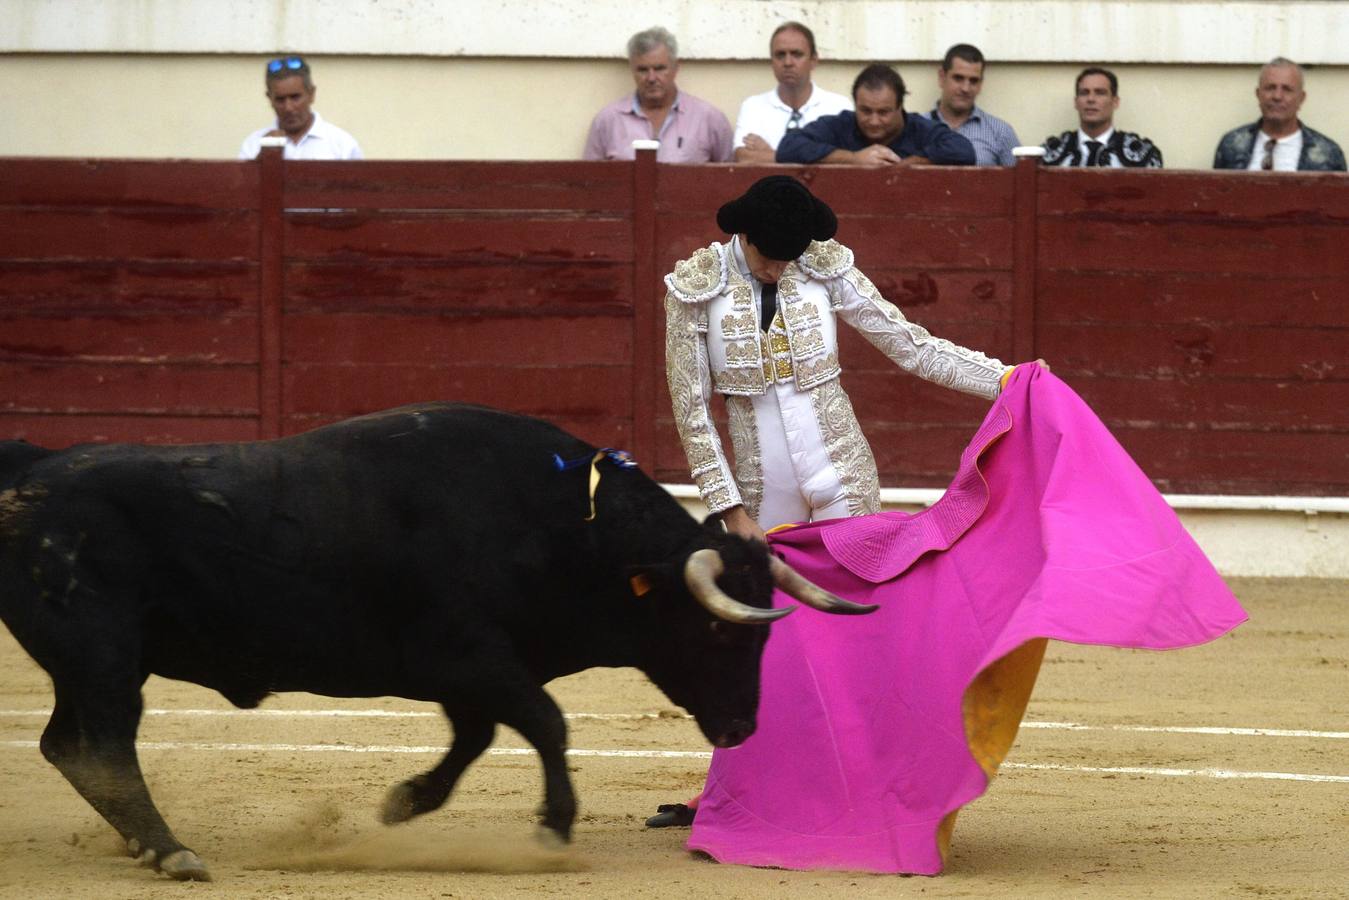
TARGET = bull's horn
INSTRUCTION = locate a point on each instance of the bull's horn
(792, 582)
(700, 574)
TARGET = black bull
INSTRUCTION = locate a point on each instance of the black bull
(434, 552)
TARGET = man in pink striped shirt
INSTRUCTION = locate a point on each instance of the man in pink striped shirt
(690, 130)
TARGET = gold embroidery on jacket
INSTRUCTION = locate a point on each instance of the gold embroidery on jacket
(744, 430)
(848, 450)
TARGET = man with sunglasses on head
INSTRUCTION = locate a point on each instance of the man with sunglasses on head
(1278, 141)
(794, 103)
(291, 90)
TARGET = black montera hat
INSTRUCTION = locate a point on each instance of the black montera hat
(780, 216)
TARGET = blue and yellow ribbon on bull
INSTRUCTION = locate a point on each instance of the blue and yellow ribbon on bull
(621, 458)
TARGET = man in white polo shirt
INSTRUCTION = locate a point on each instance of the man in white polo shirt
(795, 102)
(291, 91)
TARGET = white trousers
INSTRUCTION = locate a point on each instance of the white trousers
(799, 480)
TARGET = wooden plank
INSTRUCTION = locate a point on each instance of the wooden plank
(545, 391)
(59, 431)
(911, 243)
(171, 390)
(442, 184)
(1195, 351)
(117, 234)
(1025, 251)
(1177, 461)
(466, 238)
(1290, 199)
(1241, 462)
(906, 456)
(943, 191)
(647, 321)
(502, 341)
(153, 184)
(531, 286)
(1248, 247)
(1275, 298)
(905, 400)
(1234, 404)
(945, 295)
(84, 287)
(601, 431)
(143, 338)
(271, 290)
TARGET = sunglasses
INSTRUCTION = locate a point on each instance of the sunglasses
(1268, 162)
(294, 63)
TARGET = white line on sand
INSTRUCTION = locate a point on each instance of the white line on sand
(673, 716)
(685, 754)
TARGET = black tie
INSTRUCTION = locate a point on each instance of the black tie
(1093, 153)
(768, 305)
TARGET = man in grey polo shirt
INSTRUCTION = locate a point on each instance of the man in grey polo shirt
(961, 78)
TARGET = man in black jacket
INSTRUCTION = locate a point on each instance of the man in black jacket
(1096, 142)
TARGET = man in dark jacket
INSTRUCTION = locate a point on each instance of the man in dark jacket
(1278, 141)
(1097, 142)
(878, 133)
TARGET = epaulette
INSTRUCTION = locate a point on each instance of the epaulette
(1136, 150)
(1056, 148)
(826, 259)
(700, 277)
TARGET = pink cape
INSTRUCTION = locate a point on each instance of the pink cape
(873, 731)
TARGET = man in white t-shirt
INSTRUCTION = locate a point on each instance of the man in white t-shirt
(795, 102)
(291, 91)
(1278, 141)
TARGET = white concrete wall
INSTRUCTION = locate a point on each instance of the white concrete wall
(416, 79)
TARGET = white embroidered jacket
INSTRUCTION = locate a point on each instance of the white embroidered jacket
(713, 341)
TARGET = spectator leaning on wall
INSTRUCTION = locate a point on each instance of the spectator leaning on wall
(291, 91)
(878, 133)
(794, 103)
(1278, 141)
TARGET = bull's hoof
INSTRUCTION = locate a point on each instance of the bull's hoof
(399, 804)
(551, 840)
(184, 865)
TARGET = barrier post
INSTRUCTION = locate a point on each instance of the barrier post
(647, 352)
(1024, 257)
(271, 253)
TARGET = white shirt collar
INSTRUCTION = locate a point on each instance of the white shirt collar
(315, 128)
(814, 100)
(1104, 137)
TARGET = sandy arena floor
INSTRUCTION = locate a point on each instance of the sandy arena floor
(277, 809)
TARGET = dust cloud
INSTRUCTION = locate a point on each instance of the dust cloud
(324, 839)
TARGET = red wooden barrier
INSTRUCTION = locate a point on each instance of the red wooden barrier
(1204, 315)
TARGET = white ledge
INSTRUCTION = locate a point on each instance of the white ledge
(1030, 31)
(1224, 502)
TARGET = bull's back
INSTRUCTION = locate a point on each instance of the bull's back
(312, 562)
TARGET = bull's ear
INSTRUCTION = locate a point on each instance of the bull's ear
(714, 524)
